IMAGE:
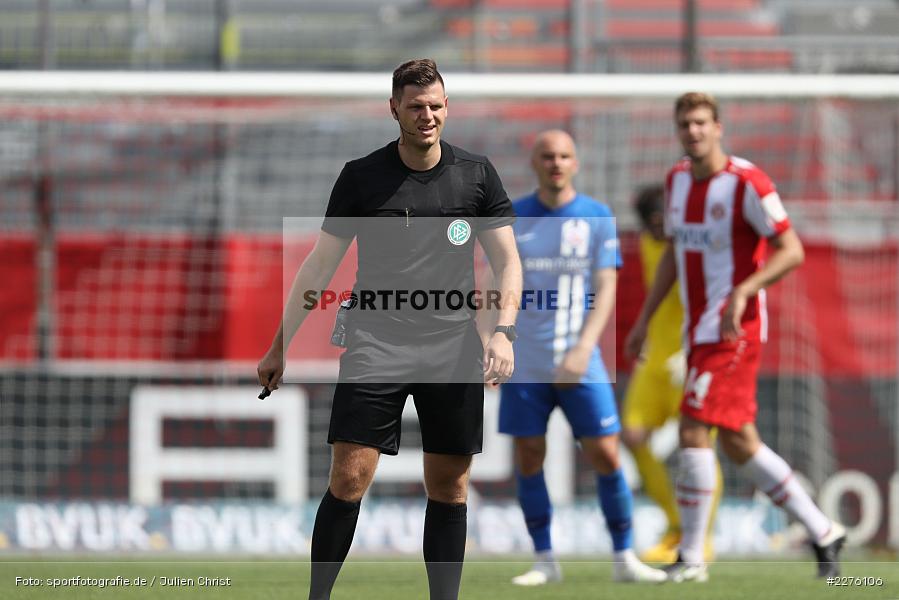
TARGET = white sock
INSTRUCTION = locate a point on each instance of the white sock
(624, 555)
(771, 474)
(696, 480)
(546, 562)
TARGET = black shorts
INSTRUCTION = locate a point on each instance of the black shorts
(443, 374)
(451, 355)
(451, 415)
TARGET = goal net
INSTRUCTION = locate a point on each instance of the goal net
(141, 229)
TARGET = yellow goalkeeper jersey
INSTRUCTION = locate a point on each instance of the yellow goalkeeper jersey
(664, 333)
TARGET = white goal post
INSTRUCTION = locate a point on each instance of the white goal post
(468, 85)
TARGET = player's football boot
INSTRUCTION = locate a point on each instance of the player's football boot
(631, 570)
(665, 551)
(540, 574)
(679, 571)
(828, 551)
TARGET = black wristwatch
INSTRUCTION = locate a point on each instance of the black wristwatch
(509, 330)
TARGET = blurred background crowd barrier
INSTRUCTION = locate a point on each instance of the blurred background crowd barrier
(608, 36)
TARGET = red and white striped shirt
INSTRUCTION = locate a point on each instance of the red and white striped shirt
(719, 227)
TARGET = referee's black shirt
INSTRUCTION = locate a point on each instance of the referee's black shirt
(408, 247)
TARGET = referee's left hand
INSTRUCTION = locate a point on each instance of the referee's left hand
(499, 360)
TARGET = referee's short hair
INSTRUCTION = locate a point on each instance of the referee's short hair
(421, 72)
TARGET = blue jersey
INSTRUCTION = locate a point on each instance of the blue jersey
(560, 251)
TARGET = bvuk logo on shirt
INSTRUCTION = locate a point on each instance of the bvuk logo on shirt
(458, 232)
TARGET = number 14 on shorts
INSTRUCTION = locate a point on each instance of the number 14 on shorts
(696, 388)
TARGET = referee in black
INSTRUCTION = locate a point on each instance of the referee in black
(411, 183)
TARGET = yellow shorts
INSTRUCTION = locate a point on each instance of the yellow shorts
(652, 397)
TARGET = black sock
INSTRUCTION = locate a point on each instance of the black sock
(335, 524)
(446, 527)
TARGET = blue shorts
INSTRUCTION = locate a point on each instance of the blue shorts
(590, 408)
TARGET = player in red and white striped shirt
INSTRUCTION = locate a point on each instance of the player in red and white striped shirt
(721, 213)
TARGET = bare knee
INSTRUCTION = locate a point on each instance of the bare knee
(446, 477)
(694, 434)
(635, 437)
(530, 452)
(602, 452)
(739, 446)
(349, 484)
(352, 470)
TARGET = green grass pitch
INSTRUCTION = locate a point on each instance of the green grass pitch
(486, 579)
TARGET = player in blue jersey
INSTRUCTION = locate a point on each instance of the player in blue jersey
(569, 252)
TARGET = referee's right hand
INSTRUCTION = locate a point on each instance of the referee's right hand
(270, 369)
(499, 360)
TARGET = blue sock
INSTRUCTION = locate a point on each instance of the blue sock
(534, 499)
(617, 505)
